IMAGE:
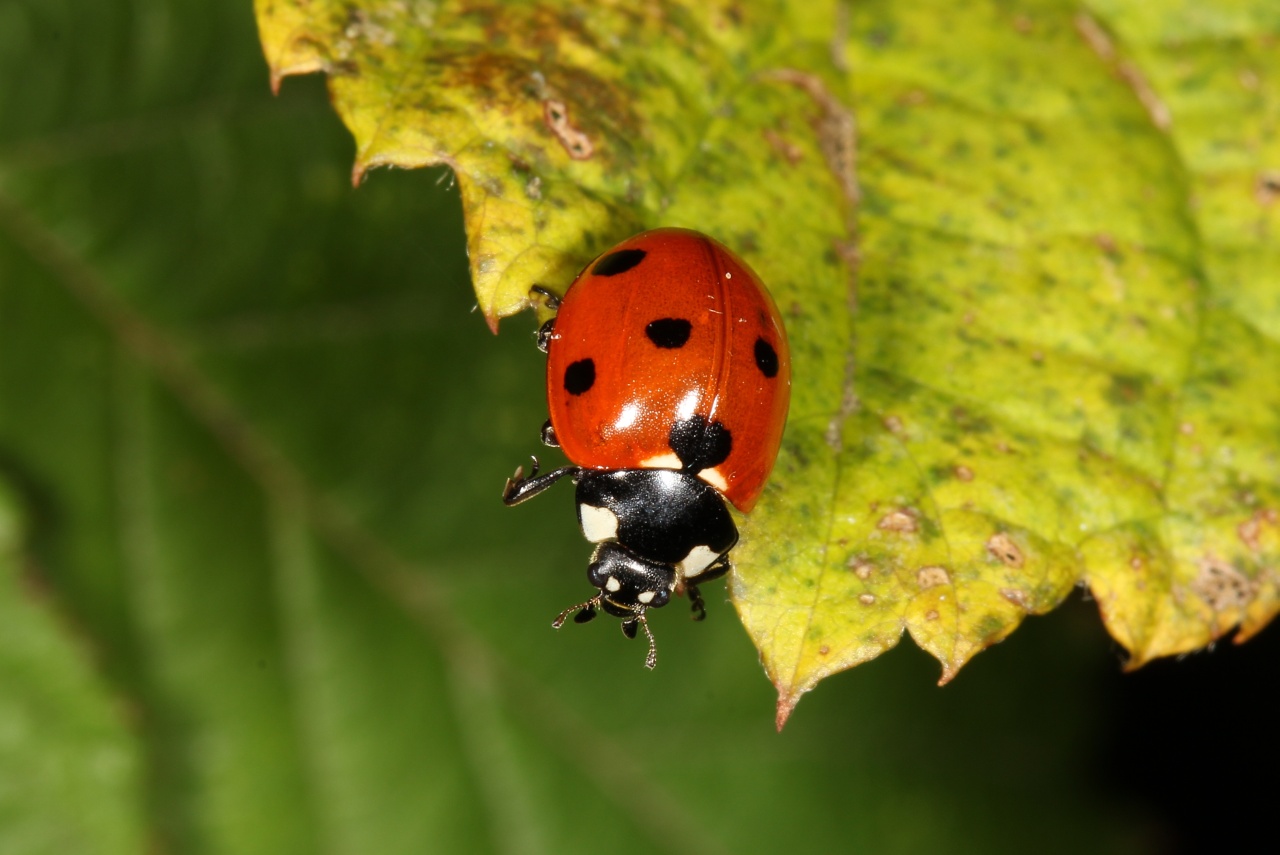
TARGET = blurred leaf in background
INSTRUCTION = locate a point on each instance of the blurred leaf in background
(261, 595)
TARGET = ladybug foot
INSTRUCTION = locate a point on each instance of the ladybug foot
(696, 603)
(629, 630)
(519, 488)
(585, 612)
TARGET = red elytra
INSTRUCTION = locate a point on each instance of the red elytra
(668, 353)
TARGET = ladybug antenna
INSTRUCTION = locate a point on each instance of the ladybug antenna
(629, 630)
(585, 612)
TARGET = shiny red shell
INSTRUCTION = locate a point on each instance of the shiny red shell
(671, 328)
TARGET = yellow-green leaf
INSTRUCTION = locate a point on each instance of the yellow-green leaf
(1026, 253)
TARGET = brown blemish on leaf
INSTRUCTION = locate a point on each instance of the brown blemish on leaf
(1100, 42)
(361, 26)
(902, 520)
(1267, 188)
(1018, 598)
(1136, 562)
(931, 577)
(1186, 428)
(1221, 585)
(893, 425)
(866, 599)
(556, 115)
(861, 568)
(824, 650)
(1004, 550)
(932, 614)
(964, 473)
(789, 151)
(1023, 24)
(1106, 243)
(1249, 79)
(836, 129)
(1250, 531)
(914, 98)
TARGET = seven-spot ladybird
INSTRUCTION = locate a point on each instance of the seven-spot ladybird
(668, 380)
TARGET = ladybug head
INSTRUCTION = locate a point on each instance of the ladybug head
(628, 587)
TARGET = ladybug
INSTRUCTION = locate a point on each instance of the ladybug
(668, 381)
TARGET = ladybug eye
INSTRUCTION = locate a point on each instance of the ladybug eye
(654, 599)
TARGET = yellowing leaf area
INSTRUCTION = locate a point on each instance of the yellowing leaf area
(1028, 255)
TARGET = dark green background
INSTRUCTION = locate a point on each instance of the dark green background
(257, 434)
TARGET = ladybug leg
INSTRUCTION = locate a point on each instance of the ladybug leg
(544, 334)
(519, 488)
(629, 630)
(552, 301)
(720, 567)
(548, 298)
(585, 612)
(549, 435)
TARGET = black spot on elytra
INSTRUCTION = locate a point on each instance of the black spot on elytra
(580, 376)
(766, 358)
(669, 333)
(700, 444)
(618, 262)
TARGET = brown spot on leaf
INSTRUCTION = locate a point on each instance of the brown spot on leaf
(1017, 597)
(932, 614)
(556, 115)
(902, 520)
(1250, 531)
(1003, 549)
(789, 151)
(1221, 585)
(931, 577)
(1136, 562)
(1100, 42)
(1267, 188)
(861, 568)
(835, 126)
(824, 650)
(1186, 428)
(893, 424)
(866, 599)
(964, 473)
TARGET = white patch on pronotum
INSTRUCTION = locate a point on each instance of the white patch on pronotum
(646, 597)
(698, 559)
(662, 461)
(598, 524)
(612, 585)
(715, 479)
